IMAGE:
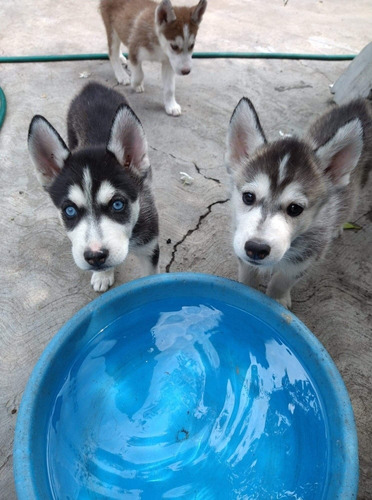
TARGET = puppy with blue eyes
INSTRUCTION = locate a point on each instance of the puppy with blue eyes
(100, 183)
(291, 197)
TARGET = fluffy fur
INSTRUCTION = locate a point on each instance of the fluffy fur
(100, 183)
(291, 197)
(152, 32)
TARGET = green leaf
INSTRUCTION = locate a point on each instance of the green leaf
(350, 225)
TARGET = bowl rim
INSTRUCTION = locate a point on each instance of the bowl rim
(337, 404)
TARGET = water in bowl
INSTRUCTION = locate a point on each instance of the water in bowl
(196, 401)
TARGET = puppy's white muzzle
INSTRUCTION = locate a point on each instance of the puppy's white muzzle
(98, 249)
(261, 243)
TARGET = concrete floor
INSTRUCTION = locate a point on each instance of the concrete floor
(41, 286)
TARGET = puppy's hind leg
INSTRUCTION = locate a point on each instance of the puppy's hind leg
(116, 58)
(113, 42)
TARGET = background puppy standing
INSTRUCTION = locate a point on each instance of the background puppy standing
(100, 183)
(152, 32)
(291, 197)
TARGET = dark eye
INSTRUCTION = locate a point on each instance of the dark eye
(117, 205)
(249, 198)
(70, 212)
(174, 47)
(294, 210)
(191, 47)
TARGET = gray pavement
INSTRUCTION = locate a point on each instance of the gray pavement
(41, 286)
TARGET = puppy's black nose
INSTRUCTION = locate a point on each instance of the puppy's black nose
(185, 71)
(256, 250)
(96, 259)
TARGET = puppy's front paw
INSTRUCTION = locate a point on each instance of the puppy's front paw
(101, 281)
(173, 109)
(139, 88)
(122, 77)
(285, 300)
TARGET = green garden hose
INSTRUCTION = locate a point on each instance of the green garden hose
(196, 55)
(2, 107)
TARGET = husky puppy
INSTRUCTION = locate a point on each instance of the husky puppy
(152, 32)
(291, 197)
(100, 183)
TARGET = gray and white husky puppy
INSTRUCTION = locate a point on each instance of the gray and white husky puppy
(291, 197)
(100, 183)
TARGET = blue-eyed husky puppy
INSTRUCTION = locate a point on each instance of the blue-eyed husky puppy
(291, 197)
(100, 183)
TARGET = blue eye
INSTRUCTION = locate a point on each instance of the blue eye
(70, 211)
(118, 205)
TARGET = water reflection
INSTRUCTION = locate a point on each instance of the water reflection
(197, 403)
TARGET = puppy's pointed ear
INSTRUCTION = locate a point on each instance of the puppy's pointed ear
(198, 11)
(244, 135)
(340, 154)
(164, 13)
(47, 150)
(127, 141)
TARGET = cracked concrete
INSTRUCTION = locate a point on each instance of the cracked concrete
(41, 286)
(206, 176)
(191, 231)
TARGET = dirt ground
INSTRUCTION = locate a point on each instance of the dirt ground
(41, 286)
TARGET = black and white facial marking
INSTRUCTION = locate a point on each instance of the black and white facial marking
(99, 216)
(274, 187)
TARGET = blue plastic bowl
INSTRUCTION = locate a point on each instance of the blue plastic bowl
(185, 386)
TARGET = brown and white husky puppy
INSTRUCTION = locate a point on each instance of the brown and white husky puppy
(291, 197)
(152, 32)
